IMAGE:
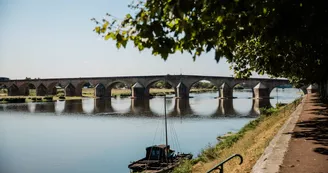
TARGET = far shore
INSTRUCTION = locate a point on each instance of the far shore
(89, 93)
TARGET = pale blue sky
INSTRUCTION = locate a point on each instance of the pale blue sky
(54, 38)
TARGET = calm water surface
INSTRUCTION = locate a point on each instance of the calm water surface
(103, 136)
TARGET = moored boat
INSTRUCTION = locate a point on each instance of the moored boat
(159, 158)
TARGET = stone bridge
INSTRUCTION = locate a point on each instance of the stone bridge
(140, 85)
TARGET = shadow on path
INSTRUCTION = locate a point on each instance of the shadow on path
(315, 129)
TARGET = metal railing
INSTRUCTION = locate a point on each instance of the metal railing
(220, 165)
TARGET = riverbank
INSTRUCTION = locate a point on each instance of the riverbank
(250, 142)
(89, 92)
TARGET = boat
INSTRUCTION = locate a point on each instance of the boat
(159, 158)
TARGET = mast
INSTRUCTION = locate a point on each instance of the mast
(166, 141)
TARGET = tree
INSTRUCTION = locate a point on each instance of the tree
(161, 84)
(281, 38)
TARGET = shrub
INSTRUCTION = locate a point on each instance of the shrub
(185, 167)
(268, 111)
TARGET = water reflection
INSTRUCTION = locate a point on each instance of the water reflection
(31, 107)
(44, 107)
(181, 107)
(73, 106)
(103, 105)
(226, 107)
(121, 105)
(157, 106)
(59, 106)
(209, 107)
(258, 104)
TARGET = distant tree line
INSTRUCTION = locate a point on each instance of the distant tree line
(161, 85)
(198, 85)
(204, 85)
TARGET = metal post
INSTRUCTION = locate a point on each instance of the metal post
(166, 140)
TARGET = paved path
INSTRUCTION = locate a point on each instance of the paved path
(308, 147)
(301, 145)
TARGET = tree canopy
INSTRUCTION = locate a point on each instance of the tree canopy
(282, 38)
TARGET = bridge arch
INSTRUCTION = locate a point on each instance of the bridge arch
(153, 81)
(3, 89)
(53, 87)
(117, 84)
(26, 89)
(163, 84)
(194, 81)
(281, 94)
(202, 85)
(243, 89)
(82, 86)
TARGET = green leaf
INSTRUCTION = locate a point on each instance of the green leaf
(265, 11)
(124, 42)
(118, 45)
(217, 55)
(219, 19)
(97, 29)
(105, 24)
(209, 47)
(107, 36)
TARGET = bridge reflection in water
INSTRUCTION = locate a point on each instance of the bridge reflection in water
(145, 107)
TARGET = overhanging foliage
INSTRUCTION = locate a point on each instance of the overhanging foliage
(283, 38)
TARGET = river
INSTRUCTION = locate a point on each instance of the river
(104, 136)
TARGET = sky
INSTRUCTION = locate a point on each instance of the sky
(53, 39)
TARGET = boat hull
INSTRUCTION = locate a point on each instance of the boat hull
(155, 166)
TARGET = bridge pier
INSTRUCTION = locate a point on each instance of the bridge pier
(101, 91)
(13, 90)
(312, 89)
(52, 91)
(182, 91)
(225, 107)
(225, 91)
(260, 91)
(41, 90)
(24, 91)
(138, 91)
(70, 90)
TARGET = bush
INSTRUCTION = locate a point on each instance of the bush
(279, 105)
(209, 153)
(184, 167)
(268, 111)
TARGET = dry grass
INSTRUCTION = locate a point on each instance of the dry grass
(116, 92)
(68, 98)
(250, 144)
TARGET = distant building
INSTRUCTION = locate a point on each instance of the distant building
(4, 79)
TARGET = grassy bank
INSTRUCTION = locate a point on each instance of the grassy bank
(23, 99)
(250, 142)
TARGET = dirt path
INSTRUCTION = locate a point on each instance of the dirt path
(308, 147)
